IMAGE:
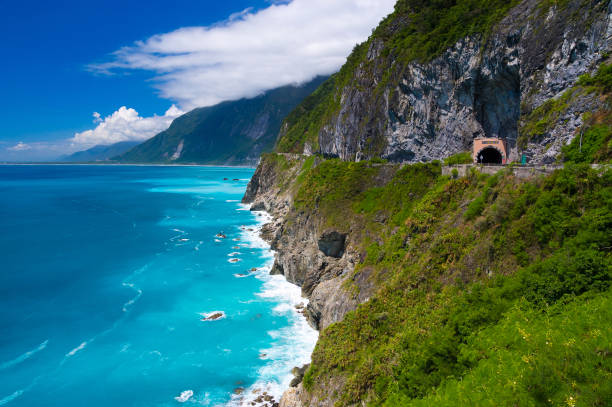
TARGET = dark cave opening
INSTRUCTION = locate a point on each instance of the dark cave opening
(489, 155)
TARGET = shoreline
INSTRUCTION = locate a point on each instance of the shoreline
(274, 378)
(4, 164)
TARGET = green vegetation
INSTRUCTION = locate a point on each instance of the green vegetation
(545, 117)
(459, 158)
(592, 145)
(303, 124)
(601, 81)
(330, 186)
(593, 142)
(431, 27)
(493, 291)
(233, 132)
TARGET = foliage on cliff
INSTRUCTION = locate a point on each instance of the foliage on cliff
(593, 141)
(492, 290)
(416, 31)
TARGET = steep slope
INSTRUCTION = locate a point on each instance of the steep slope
(484, 290)
(435, 75)
(235, 132)
(101, 153)
(489, 290)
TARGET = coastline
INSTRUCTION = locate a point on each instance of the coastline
(126, 165)
(292, 345)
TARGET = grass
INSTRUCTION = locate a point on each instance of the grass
(459, 158)
(466, 268)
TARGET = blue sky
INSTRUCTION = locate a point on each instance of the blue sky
(65, 60)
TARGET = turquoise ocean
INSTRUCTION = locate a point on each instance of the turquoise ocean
(107, 274)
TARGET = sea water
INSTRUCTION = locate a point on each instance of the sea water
(107, 274)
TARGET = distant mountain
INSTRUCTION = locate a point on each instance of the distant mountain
(101, 153)
(235, 132)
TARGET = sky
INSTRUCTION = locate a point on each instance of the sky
(77, 74)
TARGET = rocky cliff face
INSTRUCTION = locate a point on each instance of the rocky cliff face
(308, 253)
(482, 86)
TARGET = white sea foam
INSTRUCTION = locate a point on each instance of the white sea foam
(18, 393)
(291, 346)
(77, 349)
(11, 397)
(25, 356)
(185, 396)
(128, 304)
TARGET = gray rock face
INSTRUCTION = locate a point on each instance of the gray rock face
(479, 87)
(331, 243)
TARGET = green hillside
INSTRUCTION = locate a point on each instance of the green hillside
(234, 132)
(491, 290)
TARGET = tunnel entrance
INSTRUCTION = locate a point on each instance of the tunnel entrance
(489, 155)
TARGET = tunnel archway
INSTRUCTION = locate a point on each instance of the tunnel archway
(489, 155)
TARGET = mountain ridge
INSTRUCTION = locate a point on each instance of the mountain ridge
(101, 152)
(229, 133)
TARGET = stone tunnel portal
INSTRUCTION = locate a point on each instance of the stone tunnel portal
(489, 155)
(490, 151)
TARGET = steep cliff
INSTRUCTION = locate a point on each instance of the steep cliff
(416, 280)
(433, 290)
(405, 95)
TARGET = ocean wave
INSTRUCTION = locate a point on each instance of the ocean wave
(12, 397)
(291, 346)
(184, 396)
(25, 356)
(131, 302)
(76, 350)
(19, 393)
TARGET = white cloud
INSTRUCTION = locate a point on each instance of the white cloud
(124, 125)
(21, 146)
(288, 42)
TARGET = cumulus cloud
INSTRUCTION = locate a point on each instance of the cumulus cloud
(124, 125)
(287, 42)
(21, 146)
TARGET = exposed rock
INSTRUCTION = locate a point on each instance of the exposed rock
(479, 87)
(258, 206)
(298, 372)
(331, 243)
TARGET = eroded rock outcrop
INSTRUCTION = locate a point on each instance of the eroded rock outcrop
(479, 87)
(482, 86)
